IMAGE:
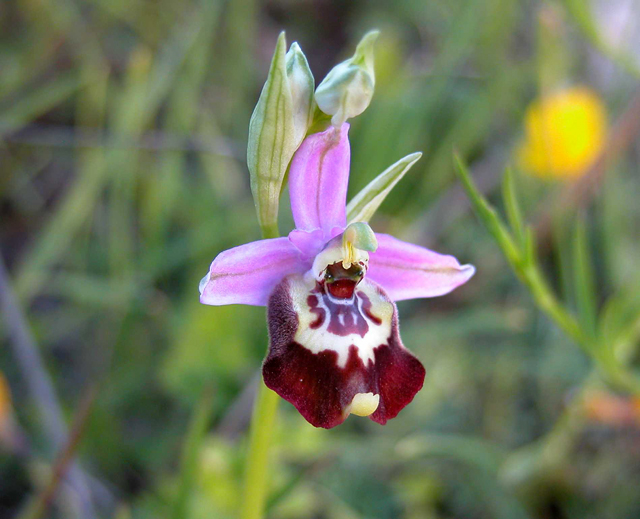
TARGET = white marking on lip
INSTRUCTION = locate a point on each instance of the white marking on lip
(320, 339)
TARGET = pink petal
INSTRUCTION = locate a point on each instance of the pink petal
(247, 274)
(323, 353)
(309, 243)
(407, 271)
(318, 180)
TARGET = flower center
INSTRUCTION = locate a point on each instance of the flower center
(341, 282)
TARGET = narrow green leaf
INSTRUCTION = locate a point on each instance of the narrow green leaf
(619, 323)
(530, 257)
(512, 207)
(584, 281)
(487, 214)
(34, 104)
(190, 454)
(271, 141)
(72, 213)
(581, 12)
(171, 57)
(363, 206)
(562, 245)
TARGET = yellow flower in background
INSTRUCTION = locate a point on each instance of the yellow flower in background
(564, 133)
(9, 436)
(5, 400)
(612, 409)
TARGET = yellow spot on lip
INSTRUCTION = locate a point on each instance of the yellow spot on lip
(363, 404)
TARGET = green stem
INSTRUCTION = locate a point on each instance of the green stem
(548, 303)
(264, 415)
(255, 482)
(521, 257)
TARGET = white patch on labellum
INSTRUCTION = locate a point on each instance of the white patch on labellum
(320, 339)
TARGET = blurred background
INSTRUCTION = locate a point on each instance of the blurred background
(123, 129)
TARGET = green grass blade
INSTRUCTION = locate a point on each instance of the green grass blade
(487, 214)
(584, 281)
(190, 454)
(36, 103)
(512, 207)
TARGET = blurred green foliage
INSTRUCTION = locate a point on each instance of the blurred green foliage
(123, 129)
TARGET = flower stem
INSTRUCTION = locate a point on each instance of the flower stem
(262, 420)
(255, 482)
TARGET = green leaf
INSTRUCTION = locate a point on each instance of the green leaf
(619, 323)
(512, 207)
(487, 214)
(190, 454)
(530, 252)
(33, 104)
(271, 141)
(584, 281)
(363, 206)
(581, 12)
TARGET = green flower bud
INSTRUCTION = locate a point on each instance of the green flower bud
(301, 84)
(277, 127)
(348, 88)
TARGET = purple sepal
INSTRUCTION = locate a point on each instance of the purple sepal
(318, 179)
(408, 271)
(247, 274)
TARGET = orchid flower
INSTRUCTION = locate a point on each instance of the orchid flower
(330, 288)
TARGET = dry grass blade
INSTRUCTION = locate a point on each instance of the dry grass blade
(38, 508)
(38, 381)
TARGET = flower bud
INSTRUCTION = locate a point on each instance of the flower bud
(277, 127)
(301, 84)
(348, 88)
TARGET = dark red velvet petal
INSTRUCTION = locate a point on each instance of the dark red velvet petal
(315, 383)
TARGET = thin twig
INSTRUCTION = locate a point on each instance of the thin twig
(64, 459)
(39, 384)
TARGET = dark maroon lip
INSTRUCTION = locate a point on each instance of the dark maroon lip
(317, 384)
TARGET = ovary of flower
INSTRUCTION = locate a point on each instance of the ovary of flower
(363, 404)
(564, 133)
